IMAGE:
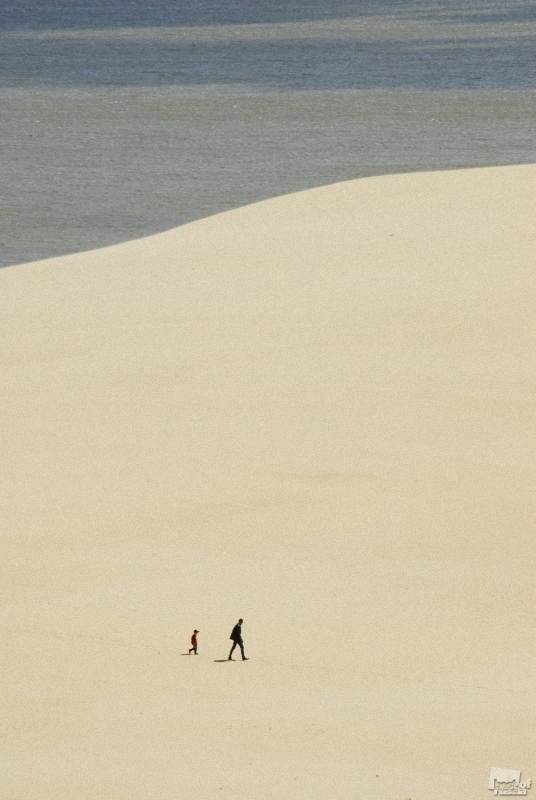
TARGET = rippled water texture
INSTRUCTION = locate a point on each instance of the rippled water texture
(120, 119)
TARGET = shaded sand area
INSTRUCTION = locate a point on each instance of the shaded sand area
(317, 413)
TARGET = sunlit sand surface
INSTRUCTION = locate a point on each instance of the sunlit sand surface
(315, 413)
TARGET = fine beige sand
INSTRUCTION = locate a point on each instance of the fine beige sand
(316, 413)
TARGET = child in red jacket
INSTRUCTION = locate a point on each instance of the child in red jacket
(194, 643)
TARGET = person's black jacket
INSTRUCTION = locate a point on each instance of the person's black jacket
(236, 635)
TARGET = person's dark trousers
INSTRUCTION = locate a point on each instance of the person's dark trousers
(241, 646)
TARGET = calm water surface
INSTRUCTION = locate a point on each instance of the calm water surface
(120, 118)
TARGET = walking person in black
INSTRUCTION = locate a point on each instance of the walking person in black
(236, 636)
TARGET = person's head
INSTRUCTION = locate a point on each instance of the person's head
(196, 631)
(240, 621)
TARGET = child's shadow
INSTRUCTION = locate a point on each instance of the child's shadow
(220, 660)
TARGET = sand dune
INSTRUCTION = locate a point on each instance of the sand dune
(316, 413)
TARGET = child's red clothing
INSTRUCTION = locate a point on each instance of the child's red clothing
(194, 639)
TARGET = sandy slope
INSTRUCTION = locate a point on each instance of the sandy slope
(317, 413)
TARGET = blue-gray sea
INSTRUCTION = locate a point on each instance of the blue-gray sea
(120, 118)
